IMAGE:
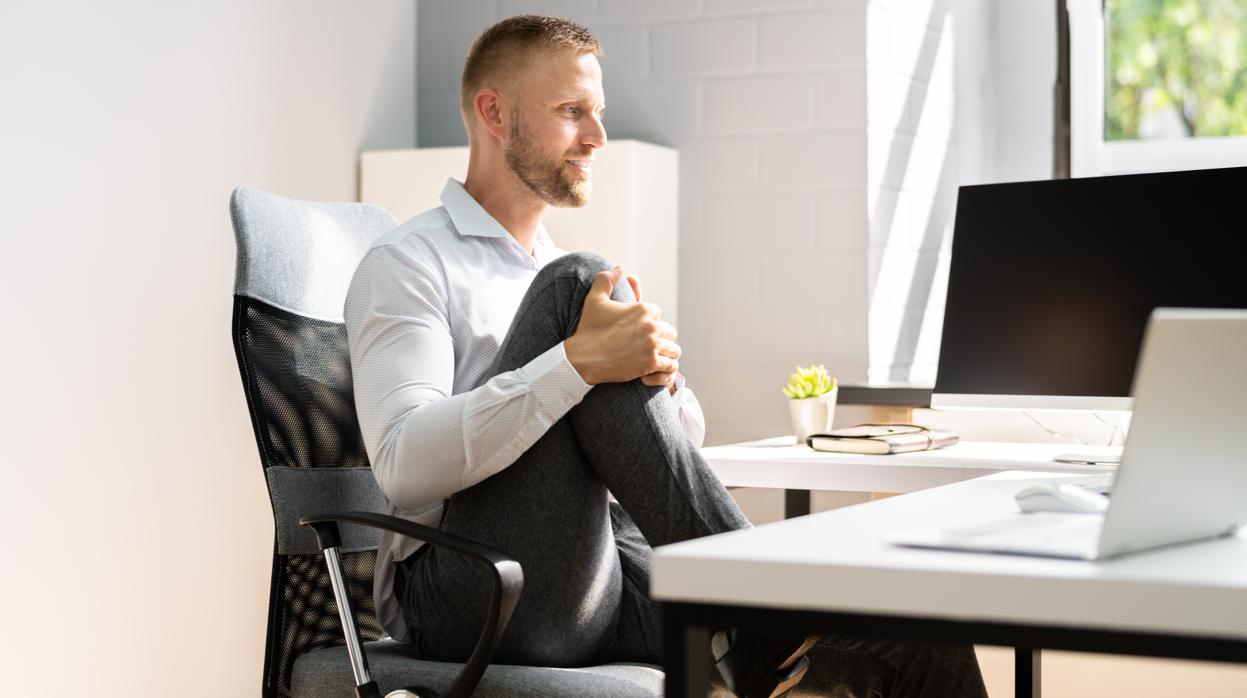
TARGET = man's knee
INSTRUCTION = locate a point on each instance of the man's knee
(581, 265)
(584, 267)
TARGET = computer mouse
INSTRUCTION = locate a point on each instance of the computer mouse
(1062, 497)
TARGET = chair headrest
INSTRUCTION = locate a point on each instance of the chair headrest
(300, 255)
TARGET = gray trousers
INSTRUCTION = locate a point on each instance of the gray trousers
(586, 559)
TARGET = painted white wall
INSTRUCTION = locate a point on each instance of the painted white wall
(138, 531)
(1023, 55)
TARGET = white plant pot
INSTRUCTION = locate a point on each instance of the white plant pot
(812, 415)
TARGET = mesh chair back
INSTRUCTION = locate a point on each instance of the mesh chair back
(295, 261)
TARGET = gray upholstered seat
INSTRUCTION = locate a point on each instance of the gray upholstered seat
(325, 673)
(295, 262)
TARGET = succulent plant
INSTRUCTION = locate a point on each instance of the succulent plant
(809, 382)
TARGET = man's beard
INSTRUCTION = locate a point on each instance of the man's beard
(548, 180)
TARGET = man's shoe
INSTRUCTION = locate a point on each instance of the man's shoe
(757, 666)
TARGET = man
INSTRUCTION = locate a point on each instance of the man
(506, 391)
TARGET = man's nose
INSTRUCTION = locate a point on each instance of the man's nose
(594, 133)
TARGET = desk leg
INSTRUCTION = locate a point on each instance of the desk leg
(796, 503)
(686, 655)
(1026, 672)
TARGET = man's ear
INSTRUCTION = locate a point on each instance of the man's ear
(488, 107)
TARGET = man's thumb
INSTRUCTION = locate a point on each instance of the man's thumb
(604, 282)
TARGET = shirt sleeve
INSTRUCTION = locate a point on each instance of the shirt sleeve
(424, 442)
(691, 417)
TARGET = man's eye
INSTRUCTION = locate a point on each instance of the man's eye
(572, 111)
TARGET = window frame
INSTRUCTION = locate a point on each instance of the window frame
(1090, 154)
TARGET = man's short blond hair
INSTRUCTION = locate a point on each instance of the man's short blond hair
(509, 44)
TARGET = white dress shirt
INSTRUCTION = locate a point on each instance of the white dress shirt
(426, 313)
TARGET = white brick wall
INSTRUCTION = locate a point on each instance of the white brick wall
(749, 105)
(704, 47)
(912, 174)
(831, 38)
(838, 96)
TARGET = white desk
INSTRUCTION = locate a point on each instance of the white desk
(835, 571)
(777, 463)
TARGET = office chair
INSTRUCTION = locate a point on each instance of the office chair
(295, 261)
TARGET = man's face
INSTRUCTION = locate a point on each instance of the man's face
(556, 127)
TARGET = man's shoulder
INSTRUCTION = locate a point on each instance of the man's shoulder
(415, 247)
(408, 254)
(432, 226)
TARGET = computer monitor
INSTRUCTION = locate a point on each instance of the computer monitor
(1051, 283)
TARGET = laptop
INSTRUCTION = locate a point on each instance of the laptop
(1183, 475)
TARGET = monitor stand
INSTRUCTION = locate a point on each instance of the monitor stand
(1108, 458)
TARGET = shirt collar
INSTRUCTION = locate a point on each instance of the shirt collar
(544, 249)
(471, 219)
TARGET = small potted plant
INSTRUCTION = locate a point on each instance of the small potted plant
(812, 402)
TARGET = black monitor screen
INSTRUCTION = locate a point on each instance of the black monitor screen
(1052, 282)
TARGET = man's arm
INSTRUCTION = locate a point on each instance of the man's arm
(425, 443)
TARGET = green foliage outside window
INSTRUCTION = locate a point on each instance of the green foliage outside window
(1175, 68)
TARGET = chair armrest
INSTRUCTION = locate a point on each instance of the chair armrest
(508, 579)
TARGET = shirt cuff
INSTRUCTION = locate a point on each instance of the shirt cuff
(691, 417)
(555, 382)
(679, 384)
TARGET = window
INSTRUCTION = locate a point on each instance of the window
(1158, 84)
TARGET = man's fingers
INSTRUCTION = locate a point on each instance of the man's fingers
(665, 330)
(669, 349)
(658, 378)
(665, 364)
(635, 283)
